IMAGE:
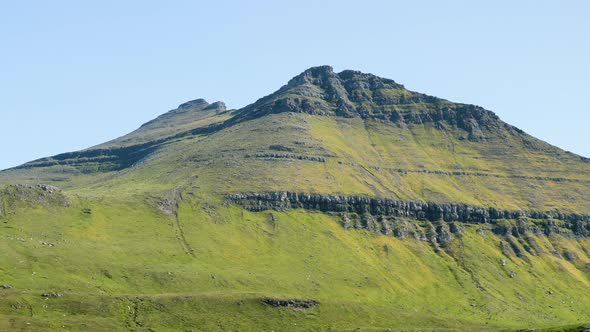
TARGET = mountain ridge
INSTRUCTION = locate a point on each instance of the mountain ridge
(341, 90)
(349, 96)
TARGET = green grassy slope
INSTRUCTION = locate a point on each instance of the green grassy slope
(141, 237)
(361, 157)
(127, 265)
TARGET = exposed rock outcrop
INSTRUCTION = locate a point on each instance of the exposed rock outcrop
(293, 303)
(52, 294)
(217, 106)
(116, 158)
(43, 194)
(390, 216)
(321, 91)
(197, 103)
(286, 156)
(280, 147)
(478, 174)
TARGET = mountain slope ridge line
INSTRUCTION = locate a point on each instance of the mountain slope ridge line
(349, 94)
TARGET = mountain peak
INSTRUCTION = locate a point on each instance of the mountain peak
(350, 93)
(368, 80)
(325, 75)
(354, 94)
(194, 103)
(312, 74)
(319, 70)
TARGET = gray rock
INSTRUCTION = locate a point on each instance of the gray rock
(52, 295)
(545, 221)
(217, 106)
(279, 147)
(286, 156)
(294, 303)
(194, 103)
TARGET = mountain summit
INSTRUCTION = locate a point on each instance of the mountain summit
(320, 91)
(340, 201)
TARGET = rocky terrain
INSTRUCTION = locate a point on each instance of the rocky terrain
(379, 214)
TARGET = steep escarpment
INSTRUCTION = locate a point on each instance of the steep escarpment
(379, 215)
(96, 160)
(321, 91)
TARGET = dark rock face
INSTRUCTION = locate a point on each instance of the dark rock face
(218, 106)
(52, 295)
(117, 158)
(387, 216)
(286, 156)
(279, 147)
(114, 159)
(481, 174)
(321, 91)
(293, 303)
(197, 103)
(89, 161)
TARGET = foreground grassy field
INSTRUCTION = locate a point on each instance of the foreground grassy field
(126, 265)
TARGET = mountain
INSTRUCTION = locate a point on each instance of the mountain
(340, 201)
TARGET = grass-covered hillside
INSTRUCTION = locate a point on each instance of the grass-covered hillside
(139, 233)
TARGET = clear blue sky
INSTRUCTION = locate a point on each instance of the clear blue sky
(77, 73)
